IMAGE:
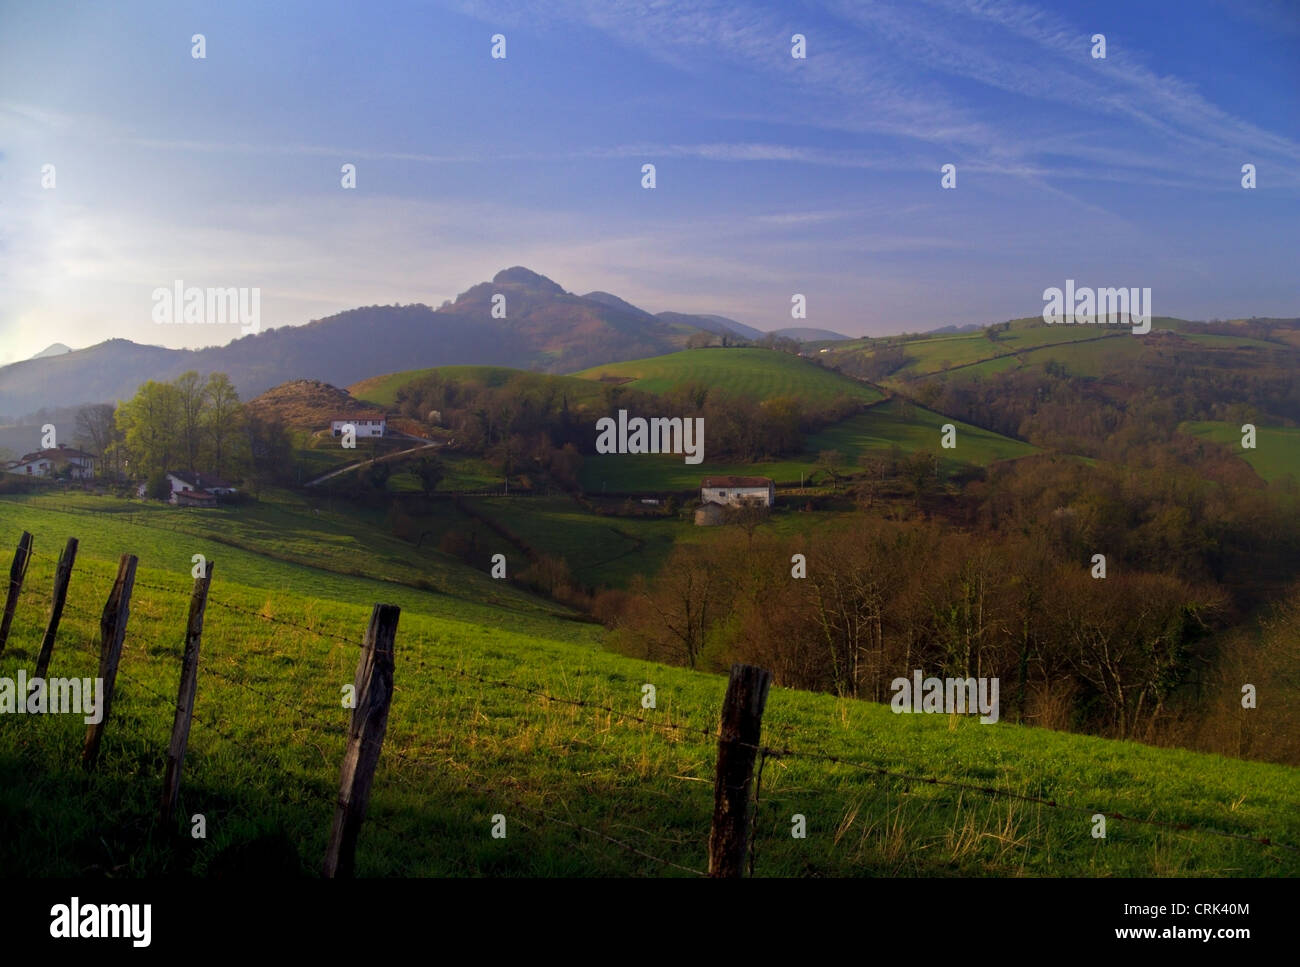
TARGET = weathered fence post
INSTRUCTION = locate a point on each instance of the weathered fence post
(17, 571)
(112, 629)
(185, 695)
(61, 577)
(373, 691)
(741, 729)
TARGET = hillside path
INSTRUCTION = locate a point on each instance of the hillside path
(366, 463)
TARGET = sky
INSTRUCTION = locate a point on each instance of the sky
(774, 175)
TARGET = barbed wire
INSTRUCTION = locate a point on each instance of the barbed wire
(765, 751)
(537, 692)
(427, 766)
(284, 621)
(519, 804)
(786, 753)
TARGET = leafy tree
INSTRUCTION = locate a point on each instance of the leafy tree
(831, 462)
(191, 398)
(223, 422)
(158, 486)
(150, 426)
(430, 471)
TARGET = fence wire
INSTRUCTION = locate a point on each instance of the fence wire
(762, 751)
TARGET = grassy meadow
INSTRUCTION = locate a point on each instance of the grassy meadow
(757, 373)
(876, 430)
(382, 390)
(264, 753)
(1277, 448)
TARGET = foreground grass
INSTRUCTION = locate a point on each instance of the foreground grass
(265, 751)
(320, 548)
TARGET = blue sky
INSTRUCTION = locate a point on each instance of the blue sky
(774, 175)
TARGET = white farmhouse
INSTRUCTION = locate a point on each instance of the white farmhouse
(47, 463)
(185, 482)
(367, 424)
(734, 491)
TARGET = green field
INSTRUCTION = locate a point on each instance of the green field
(382, 390)
(878, 429)
(608, 551)
(1089, 351)
(914, 428)
(322, 548)
(264, 754)
(756, 373)
(1086, 350)
(1277, 448)
(600, 551)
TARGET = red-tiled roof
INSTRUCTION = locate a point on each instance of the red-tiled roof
(56, 453)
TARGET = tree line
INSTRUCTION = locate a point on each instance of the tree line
(189, 423)
(531, 422)
(1011, 592)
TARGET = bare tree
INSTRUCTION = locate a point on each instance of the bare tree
(97, 432)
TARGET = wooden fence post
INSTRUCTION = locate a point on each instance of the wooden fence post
(112, 629)
(373, 691)
(740, 731)
(185, 696)
(17, 571)
(61, 578)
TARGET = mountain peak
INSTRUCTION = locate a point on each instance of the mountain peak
(522, 276)
(54, 349)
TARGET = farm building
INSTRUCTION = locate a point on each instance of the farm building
(708, 515)
(48, 463)
(734, 491)
(196, 483)
(366, 424)
(193, 498)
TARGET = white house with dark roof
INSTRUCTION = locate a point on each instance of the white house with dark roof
(734, 491)
(204, 486)
(370, 424)
(48, 463)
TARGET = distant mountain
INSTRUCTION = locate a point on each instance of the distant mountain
(719, 325)
(808, 335)
(614, 302)
(54, 349)
(544, 328)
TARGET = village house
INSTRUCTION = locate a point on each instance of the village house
(734, 491)
(367, 424)
(195, 489)
(719, 493)
(49, 463)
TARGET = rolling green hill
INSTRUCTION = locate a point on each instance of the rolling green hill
(382, 390)
(1277, 448)
(470, 736)
(1085, 350)
(758, 373)
(891, 423)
